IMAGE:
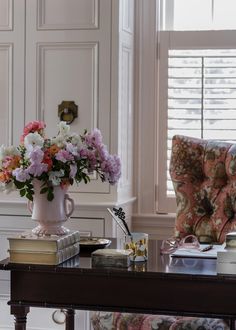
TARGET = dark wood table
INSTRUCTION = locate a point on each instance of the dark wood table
(177, 286)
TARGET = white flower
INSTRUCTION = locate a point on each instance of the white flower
(7, 187)
(63, 128)
(55, 177)
(59, 141)
(33, 139)
(75, 139)
(8, 151)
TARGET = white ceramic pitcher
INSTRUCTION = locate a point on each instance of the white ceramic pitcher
(50, 215)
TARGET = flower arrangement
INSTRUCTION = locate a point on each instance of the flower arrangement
(60, 160)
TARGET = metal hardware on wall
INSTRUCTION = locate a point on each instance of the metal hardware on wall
(67, 111)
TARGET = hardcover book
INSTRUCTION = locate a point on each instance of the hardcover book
(44, 258)
(27, 241)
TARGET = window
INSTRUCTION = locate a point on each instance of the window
(196, 15)
(197, 81)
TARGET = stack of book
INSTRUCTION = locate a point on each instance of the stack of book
(226, 259)
(28, 248)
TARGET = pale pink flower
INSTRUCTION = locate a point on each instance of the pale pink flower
(33, 126)
(64, 156)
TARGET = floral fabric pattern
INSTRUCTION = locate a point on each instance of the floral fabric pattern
(127, 321)
(203, 173)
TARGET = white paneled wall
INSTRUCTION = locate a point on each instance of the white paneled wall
(67, 50)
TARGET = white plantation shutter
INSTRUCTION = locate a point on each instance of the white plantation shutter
(197, 97)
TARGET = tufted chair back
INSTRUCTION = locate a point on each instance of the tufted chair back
(203, 173)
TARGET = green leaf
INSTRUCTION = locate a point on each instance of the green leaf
(19, 184)
(22, 192)
(50, 195)
(29, 196)
(44, 190)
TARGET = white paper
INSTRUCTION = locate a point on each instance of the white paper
(194, 253)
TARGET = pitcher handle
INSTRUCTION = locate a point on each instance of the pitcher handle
(30, 205)
(70, 204)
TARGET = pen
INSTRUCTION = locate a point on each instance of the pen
(207, 248)
(118, 221)
(121, 216)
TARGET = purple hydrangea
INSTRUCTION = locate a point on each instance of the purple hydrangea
(21, 174)
(36, 169)
(93, 139)
(36, 155)
(112, 168)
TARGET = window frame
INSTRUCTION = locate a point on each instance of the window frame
(177, 40)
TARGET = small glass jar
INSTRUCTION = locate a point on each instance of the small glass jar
(138, 243)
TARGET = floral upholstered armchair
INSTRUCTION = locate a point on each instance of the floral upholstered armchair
(203, 173)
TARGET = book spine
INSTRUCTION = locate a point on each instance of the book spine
(68, 240)
(68, 252)
(54, 258)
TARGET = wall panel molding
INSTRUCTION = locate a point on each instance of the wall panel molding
(77, 15)
(6, 69)
(127, 16)
(65, 49)
(6, 15)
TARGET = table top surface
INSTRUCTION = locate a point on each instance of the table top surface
(156, 264)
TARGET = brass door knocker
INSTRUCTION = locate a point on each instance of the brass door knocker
(67, 111)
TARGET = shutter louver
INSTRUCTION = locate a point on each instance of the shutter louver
(201, 96)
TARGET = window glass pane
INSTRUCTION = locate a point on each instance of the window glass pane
(192, 15)
(196, 15)
(224, 14)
